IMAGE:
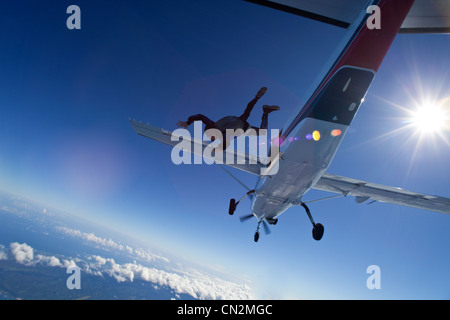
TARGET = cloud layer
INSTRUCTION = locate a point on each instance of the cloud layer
(198, 284)
(24, 254)
(193, 282)
(110, 244)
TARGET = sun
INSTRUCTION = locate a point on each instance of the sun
(429, 118)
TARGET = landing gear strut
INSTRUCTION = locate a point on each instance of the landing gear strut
(262, 220)
(318, 228)
(233, 203)
(265, 226)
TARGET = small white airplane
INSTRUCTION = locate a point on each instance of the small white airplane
(334, 102)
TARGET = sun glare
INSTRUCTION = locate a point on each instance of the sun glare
(419, 121)
(429, 118)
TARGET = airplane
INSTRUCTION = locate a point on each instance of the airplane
(334, 101)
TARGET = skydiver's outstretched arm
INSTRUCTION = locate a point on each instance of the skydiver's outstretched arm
(196, 117)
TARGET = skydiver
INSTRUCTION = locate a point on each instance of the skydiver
(233, 122)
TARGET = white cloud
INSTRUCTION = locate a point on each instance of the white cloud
(50, 261)
(68, 264)
(198, 284)
(100, 260)
(3, 254)
(109, 243)
(92, 238)
(149, 256)
(23, 253)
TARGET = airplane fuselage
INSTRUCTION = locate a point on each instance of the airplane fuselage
(310, 139)
(306, 154)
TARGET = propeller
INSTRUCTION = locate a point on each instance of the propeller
(264, 222)
(266, 227)
(245, 218)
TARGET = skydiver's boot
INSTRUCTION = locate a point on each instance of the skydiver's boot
(268, 109)
(265, 117)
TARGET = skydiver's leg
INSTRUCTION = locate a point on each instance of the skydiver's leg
(226, 140)
(252, 103)
(248, 110)
(265, 117)
(264, 120)
(264, 124)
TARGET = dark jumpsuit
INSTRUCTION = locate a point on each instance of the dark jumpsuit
(231, 122)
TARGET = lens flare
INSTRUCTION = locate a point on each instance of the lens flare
(336, 132)
(316, 135)
(278, 141)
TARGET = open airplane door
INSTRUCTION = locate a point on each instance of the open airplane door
(425, 16)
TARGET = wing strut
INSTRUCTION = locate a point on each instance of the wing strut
(234, 177)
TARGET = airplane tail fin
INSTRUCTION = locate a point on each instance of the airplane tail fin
(342, 87)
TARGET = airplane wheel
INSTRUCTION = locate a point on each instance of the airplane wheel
(232, 207)
(318, 231)
(256, 237)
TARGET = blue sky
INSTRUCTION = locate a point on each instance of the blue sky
(66, 96)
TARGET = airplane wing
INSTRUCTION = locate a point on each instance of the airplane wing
(426, 16)
(364, 191)
(238, 160)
